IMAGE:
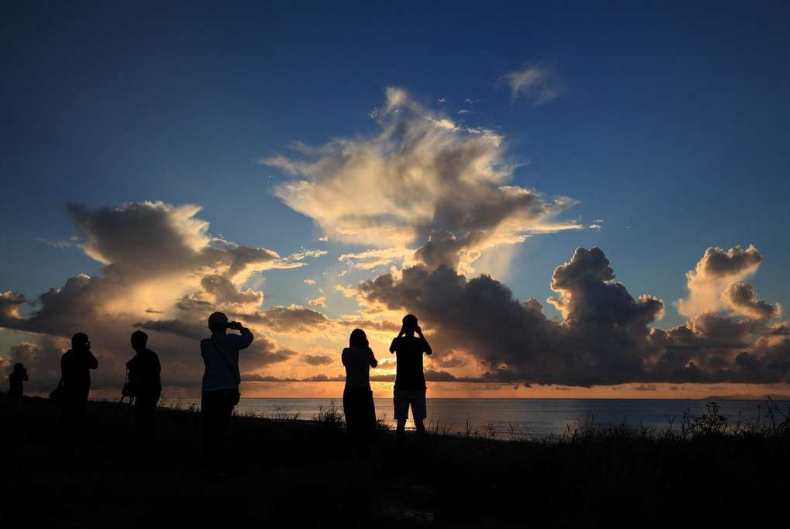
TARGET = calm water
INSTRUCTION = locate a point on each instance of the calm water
(526, 417)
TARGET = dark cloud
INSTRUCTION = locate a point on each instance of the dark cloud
(743, 298)
(224, 291)
(42, 361)
(144, 237)
(719, 262)
(449, 361)
(10, 303)
(262, 353)
(194, 331)
(370, 324)
(606, 336)
(293, 318)
(155, 255)
(318, 360)
(443, 248)
(604, 340)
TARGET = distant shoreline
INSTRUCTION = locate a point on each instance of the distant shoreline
(339, 398)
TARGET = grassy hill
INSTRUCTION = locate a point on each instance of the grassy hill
(284, 473)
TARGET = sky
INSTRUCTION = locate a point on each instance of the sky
(577, 199)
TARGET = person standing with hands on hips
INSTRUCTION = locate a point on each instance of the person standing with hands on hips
(409, 378)
(221, 382)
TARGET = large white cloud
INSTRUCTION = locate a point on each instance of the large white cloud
(420, 177)
(159, 262)
(713, 275)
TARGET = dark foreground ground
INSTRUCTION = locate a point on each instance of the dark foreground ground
(704, 473)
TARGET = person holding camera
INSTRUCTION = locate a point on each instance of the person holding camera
(409, 377)
(221, 382)
(144, 384)
(358, 405)
(75, 366)
(16, 381)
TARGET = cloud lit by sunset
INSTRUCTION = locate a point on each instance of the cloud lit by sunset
(556, 236)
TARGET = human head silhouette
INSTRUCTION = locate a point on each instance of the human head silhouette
(218, 323)
(19, 368)
(358, 338)
(410, 323)
(80, 341)
(139, 340)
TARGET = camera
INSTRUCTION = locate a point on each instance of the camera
(236, 326)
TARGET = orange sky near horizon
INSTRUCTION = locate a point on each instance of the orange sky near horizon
(461, 390)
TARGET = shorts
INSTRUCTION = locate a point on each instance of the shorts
(416, 398)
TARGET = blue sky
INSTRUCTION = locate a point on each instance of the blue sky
(670, 123)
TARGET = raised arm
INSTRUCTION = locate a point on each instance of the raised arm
(245, 338)
(372, 360)
(426, 347)
(394, 344)
(92, 362)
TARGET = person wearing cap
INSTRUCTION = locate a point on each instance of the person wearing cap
(145, 385)
(221, 382)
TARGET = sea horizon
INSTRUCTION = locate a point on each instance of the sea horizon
(513, 418)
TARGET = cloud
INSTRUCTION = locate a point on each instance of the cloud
(318, 360)
(42, 361)
(370, 259)
(176, 327)
(419, 174)
(713, 275)
(293, 318)
(534, 82)
(154, 255)
(263, 353)
(309, 281)
(317, 302)
(606, 336)
(224, 291)
(742, 298)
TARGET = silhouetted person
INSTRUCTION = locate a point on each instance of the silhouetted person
(145, 385)
(358, 405)
(75, 367)
(409, 379)
(16, 380)
(220, 383)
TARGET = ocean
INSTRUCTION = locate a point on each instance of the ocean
(505, 418)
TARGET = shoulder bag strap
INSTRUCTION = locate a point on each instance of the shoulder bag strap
(232, 372)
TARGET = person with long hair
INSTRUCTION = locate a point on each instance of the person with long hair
(358, 405)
